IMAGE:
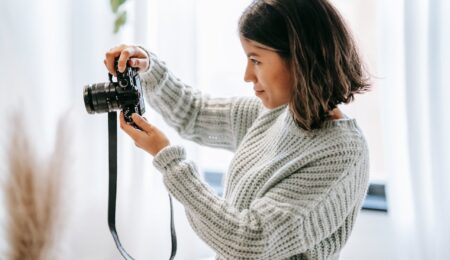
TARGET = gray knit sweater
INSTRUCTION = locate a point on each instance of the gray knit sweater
(289, 193)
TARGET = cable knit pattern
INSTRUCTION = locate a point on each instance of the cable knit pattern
(289, 193)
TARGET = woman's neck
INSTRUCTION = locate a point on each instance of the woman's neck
(336, 114)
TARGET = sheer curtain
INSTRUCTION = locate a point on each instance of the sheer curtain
(414, 65)
(49, 51)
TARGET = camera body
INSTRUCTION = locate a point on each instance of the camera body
(124, 94)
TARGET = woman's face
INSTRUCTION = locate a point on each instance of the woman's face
(269, 72)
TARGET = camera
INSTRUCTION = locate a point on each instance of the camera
(125, 94)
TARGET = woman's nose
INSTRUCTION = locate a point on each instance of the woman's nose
(249, 75)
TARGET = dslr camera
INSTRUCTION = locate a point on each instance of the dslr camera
(125, 94)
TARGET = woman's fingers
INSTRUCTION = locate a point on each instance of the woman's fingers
(135, 56)
(140, 63)
(124, 56)
(150, 139)
(139, 121)
(142, 123)
(129, 129)
(111, 56)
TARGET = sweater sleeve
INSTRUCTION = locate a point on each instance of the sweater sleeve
(215, 122)
(290, 218)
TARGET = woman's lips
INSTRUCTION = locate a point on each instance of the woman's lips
(258, 91)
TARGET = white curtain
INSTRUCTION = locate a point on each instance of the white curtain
(49, 50)
(414, 66)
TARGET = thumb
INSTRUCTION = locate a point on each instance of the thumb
(142, 123)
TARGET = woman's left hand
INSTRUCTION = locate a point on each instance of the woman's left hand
(150, 138)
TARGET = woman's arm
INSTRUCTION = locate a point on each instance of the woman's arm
(216, 122)
(291, 217)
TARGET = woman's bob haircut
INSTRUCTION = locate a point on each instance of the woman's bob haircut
(313, 39)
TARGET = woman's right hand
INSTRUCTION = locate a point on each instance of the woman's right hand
(135, 56)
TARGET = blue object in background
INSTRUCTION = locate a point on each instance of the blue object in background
(214, 179)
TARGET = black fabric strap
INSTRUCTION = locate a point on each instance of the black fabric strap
(112, 147)
(173, 235)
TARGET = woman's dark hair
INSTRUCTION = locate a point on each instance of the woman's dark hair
(314, 40)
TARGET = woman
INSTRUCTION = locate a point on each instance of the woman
(300, 170)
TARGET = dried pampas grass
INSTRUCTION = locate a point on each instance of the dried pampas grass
(32, 194)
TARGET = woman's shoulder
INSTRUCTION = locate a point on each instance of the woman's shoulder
(334, 136)
(342, 139)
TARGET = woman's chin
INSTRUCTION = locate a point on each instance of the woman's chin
(270, 105)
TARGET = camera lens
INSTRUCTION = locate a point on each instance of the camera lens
(88, 99)
(100, 98)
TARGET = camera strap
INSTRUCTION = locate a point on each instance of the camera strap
(112, 147)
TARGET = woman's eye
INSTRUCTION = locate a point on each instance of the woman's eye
(255, 62)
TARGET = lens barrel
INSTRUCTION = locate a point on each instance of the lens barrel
(101, 98)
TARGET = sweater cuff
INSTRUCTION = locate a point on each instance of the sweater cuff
(168, 155)
(155, 74)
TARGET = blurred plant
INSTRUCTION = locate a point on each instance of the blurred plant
(32, 196)
(121, 16)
